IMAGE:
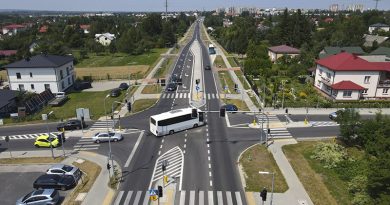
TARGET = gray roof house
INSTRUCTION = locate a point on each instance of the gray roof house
(370, 39)
(7, 102)
(381, 51)
(329, 50)
(378, 26)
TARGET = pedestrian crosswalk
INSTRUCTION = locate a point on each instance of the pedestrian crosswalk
(103, 124)
(323, 123)
(28, 136)
(186, 95)
(85, 144)
(184, 197)
(278, 133)
(173, 161)
(265, 118)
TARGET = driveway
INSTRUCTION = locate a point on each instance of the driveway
(105, 85)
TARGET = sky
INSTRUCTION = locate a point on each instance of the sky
(177, 5)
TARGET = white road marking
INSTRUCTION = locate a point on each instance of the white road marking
(192, 197)
(118, 198)
(201, 197)
(229, 198)
(137, 197)
(182, 197)
(134, 149)
(211, 197)
(128, 197)
(219, 196)
(238, 198)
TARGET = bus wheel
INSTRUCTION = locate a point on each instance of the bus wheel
(171, 132)
(195, 125)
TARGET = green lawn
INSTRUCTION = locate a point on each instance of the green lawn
(143, 104)
(152, 89)
(225, 79)
(120, 59)
(256, 159)
(219, 63)
(241, 105)
(163, 70)
(241, 77)
(232, 61)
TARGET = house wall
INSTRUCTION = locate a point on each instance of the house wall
(274, 56)
(340, 95)
(104, 40)
(358, 78)
(381, 94)
(42, 76)
(371, 29)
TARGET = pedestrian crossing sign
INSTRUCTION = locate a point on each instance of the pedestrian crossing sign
(152, 192)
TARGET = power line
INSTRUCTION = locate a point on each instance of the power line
(376, 4)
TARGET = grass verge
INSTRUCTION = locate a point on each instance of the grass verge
(232, 61)
(254, 100)
(218, 62)
(241, 77)
(241, 105)
(112, 72)
(226, 80)
(163, 70)
(256, 159)
(31, 160)
(91, 172)
(143, 104)
(152, 89)
(322, 186)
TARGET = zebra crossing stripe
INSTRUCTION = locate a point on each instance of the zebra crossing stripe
(192, 197)
(182, 197)
(229, 198)
(163, 96)
(128, 197)
(146, 199)
(201, 197)
(219, 197)
(211, 198)
(208, 95)
(238, 198)
(137, 197)
(118, 198)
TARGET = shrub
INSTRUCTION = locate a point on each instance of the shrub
(329, 154)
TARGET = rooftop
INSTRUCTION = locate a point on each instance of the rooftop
(346, 85)
(379, 25)
(6, 96)
(284, 49)
(331, 50)
(41, 61)
(7, 52)
(381, 51)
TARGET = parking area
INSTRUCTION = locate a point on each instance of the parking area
(17, 181)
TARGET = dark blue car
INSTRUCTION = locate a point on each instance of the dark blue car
(230, 108)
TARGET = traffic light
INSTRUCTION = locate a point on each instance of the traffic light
(286, 111)
(162, 82)
(108, 166)
(129, 106)
(197, 81)
(194, 113)
(263, 194)
(222, 112)
(269, 131)
(235, 87)
(160, 191)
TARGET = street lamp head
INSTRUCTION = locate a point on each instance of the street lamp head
(51, 112)
(108, 95)
(263, 172)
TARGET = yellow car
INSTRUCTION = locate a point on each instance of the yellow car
(44, 141)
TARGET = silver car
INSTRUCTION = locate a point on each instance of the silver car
(40, 197)
(104, 137)
(65, 169)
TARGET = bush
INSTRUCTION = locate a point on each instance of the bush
(329, 154)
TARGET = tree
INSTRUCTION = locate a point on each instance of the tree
(349, 124)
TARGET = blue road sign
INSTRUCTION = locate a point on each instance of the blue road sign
(226, 87)
(152, 192)
(197, 88)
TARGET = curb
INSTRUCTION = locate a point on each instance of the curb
(134, 113)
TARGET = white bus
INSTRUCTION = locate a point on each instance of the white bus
(175, 121)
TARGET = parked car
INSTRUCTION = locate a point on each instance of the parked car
(104, 137)
(207, 67)
(334, 115)
(45, 141)
(82, 85)
(40, 197)
(171, 87)
(230, 107)
(61, 169)
(123, 86)
(115, 92)
(54, 181)
(70, 125)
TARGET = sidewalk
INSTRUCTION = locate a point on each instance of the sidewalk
(323, 111)
(99, 193)
(235, 79)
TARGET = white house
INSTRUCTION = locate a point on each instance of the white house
(13, 29)
(378, 26)
(41, 72)
(348, 77)
(105, 38)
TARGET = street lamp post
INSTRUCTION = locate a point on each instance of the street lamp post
(108, 132)
(48, 132)
(273, 179)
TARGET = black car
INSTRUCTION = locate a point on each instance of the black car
(115, 92)
(171, 87)
(230, 107)
(82, 85)
(54, 181)
(123, 86)
(174, 78)
(207, 67)
(70, 125)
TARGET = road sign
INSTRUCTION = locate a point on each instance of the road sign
(152, 192)
(197, 88)
(154, 198)
(226, 87)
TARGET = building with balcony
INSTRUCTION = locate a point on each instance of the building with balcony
(41, 72)
(346, 76)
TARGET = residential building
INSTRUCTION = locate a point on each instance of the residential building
(85, 28)
(41, 72)
(370, 39)
(105, 38)
(332, 50)
(7, 102)
(385, 51)
(346, 76)
(276, 52)
(7, 53)
(377, 27)
(13, 29)
(43, 29)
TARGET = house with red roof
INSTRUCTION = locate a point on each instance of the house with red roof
(13, 29)
(346, 76)
(276, 52)
(85, 28)
(7, 53)
(43, 29)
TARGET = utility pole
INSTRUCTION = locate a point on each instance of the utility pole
(376, 4)
(166, 10)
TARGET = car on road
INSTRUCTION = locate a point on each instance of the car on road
(207, 67)
(82, 85)
(46, 141)
(71, 125)
(104, 137)
(333, 115)
(62, 169)
(115, 92)
(123, 86)
(174, 78)
(230, 107)
(171, 87)
(40, 197)
(54, 181)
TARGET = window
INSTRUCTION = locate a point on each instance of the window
(347, 93)
(385, 91)
(320, 72)
(18, 76)
(21, 87)
(32, 87)
(31, 75)
(175, 120)
(61, 75)
(335, 92)
(364, 92)
(68, 81)
(328, 75)
(367, 79)
(67, 71)
(47, 86)
(62, 84)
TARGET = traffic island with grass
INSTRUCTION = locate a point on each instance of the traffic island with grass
(241, 105)
(152, 89)
(258, 158)
(143, 104)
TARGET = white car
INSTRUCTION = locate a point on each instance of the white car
(61, 169)
(104, 137)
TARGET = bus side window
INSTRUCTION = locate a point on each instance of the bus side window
(201, 116)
